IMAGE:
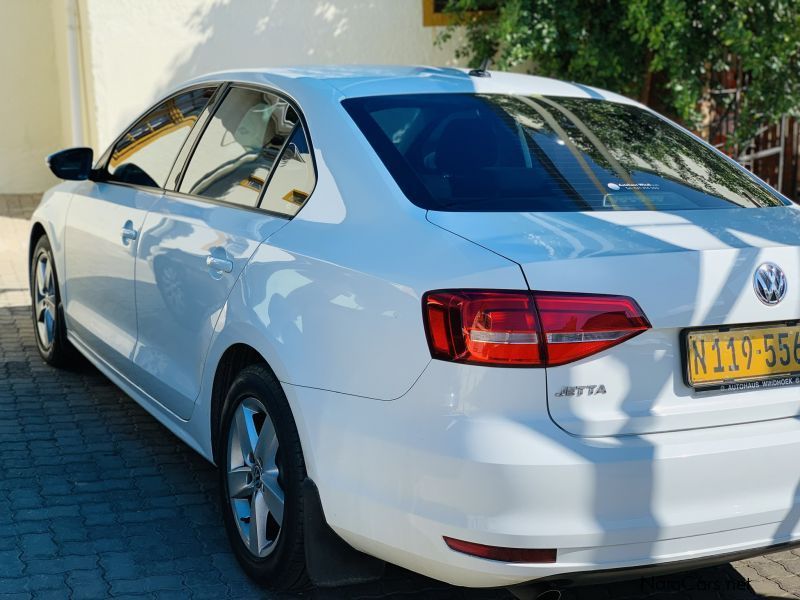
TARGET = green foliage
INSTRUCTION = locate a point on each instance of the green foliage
(671, 54)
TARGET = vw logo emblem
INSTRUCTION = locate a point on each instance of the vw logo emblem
(770, 284)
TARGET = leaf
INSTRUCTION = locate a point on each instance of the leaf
(684, 50)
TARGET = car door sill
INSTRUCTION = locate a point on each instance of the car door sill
(122, 382)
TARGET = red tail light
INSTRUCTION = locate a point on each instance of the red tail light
(526, 329)
(483, 327)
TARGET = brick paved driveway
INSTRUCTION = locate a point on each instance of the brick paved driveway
(99, 500)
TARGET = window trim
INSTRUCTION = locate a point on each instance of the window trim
(175, 195)
(226, 87)
(101, 164)
(178, 169)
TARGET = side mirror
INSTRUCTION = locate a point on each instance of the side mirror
(72, 163)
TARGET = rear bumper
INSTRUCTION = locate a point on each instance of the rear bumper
(480, 460)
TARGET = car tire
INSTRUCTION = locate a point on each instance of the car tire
(47, 312)
(257, 470)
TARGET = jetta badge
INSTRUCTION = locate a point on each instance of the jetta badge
(577, 390)
(770, 283)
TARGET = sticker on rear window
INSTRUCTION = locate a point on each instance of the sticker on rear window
(634, 187)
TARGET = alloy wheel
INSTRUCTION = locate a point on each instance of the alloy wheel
(254, 479)
(45, 300)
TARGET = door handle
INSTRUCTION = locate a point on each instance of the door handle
(219, 264)
(129, 234)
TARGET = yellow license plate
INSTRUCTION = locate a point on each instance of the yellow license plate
(722, 356)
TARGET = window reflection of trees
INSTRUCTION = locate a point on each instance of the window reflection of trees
(631, 138)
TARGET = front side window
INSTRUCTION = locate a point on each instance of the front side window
(147, 151)
(239, 148)
(474, 152)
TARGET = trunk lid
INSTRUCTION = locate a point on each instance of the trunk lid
(686, 269)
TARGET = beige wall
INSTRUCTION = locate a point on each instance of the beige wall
(126, 53)
(139, 49)
(30, 103)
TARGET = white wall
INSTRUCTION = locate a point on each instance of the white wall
(136, 50)
(30, 100)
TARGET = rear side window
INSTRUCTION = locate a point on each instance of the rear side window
(239, 147)
(472, 152)
(293, 178)
(145, 153)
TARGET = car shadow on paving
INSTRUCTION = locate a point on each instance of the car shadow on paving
(97, 499)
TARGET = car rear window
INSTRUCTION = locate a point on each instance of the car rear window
(473, 152)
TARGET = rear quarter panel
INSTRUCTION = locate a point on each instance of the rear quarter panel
(338, 306)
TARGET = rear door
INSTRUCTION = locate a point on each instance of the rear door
(105, 221)
(197, 238)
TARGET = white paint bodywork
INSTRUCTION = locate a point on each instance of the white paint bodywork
(405, 449)
(685, 269)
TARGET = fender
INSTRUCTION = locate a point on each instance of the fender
(51, 215)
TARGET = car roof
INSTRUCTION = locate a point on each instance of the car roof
(351, 81)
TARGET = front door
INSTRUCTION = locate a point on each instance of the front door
(105, 221)
(102, 226)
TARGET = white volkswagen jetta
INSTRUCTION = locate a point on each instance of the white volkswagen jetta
(489, 327)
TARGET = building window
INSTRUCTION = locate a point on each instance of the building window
(434, 15)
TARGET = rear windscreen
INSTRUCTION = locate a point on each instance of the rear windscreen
(472, 152)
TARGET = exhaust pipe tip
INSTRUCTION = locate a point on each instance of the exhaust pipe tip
(535, 591)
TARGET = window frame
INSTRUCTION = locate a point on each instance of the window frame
(176, 177)
(100, 169)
